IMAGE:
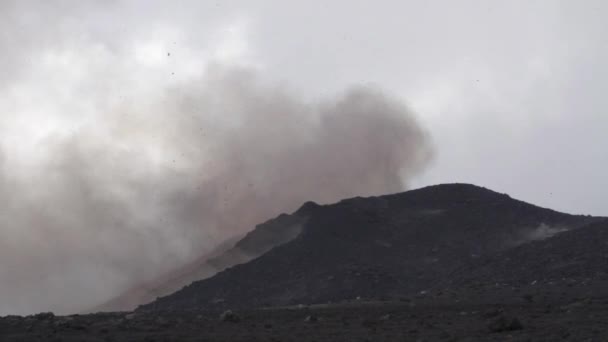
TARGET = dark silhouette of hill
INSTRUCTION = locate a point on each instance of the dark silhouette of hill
(372, 248)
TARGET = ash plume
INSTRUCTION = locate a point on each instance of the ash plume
(117, 165)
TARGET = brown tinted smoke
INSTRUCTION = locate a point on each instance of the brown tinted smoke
(106, 193)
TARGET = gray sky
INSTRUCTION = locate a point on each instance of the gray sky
(102, 103)
(513, 92)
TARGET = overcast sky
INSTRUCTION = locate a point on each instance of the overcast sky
(512, 92)
(511, 95)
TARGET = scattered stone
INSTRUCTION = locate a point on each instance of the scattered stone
(574, 305)
(311, 319)
(229, 316)
(492, 313)
(163, 322)
(446, 336)
(369, 323)
(43, 316)
(505, 323)
(386, 317)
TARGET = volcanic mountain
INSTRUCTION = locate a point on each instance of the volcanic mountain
(375, 248)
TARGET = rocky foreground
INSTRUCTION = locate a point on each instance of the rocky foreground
(584, 319)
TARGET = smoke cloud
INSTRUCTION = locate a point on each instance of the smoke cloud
(125, 156)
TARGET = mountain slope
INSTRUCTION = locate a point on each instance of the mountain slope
(375, 247)
(565, 266)
(257, 242)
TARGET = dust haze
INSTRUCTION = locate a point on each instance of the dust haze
(123, 156)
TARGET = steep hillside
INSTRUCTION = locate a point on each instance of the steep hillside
(378, 247)
(263, 238)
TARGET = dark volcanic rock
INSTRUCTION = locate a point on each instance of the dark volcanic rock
(572, 264)
(43, 316)
(505, 323)
(352, 322)
(229, 316)
(375, 248)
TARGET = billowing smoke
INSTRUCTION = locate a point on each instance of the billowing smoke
(123, 156)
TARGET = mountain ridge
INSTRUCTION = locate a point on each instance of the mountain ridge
(364, 247)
